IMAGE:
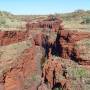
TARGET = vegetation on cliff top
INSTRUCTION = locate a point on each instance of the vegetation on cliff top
(77, 17)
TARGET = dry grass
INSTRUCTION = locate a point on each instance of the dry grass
(76, 26)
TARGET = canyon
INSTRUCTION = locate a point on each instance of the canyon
(38, 58)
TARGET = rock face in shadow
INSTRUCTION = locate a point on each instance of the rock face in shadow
(64, 45)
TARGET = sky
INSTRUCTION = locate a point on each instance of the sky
(43, 6)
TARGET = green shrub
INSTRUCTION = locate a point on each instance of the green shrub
(57, 88)
(34, 78)
(86, 20)
(78, 72)
(2, 21)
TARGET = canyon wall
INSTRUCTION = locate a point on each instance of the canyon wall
(63, 45)
(14, 76)
(10, 37)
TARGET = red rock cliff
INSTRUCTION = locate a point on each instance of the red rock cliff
(23, 67)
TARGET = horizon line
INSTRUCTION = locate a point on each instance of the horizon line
(48, 13)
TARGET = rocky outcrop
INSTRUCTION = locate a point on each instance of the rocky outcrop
(38, 39)
(56, 75)
(10, 37)
(53, 23)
